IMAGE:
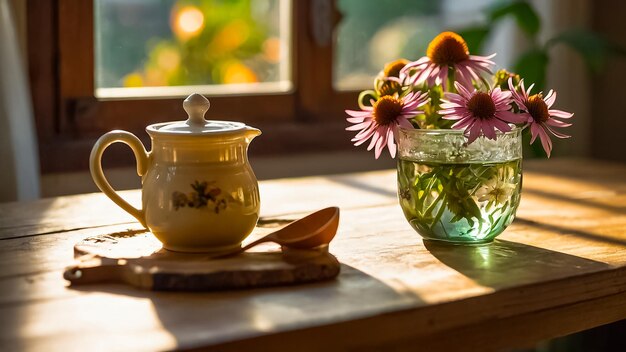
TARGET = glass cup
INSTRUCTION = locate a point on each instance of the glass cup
(457, 193)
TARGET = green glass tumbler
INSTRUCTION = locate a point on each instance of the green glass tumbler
(455, 192)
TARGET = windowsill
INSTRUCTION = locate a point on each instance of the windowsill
(265, 88)
(265, 167)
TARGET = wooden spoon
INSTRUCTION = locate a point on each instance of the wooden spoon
(310, 231)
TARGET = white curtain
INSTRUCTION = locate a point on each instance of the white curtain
(19, 165)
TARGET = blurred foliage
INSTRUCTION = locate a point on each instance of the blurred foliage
(210, 42)
(525, 16)
(532, 64)
(593, 48)
(404, 26)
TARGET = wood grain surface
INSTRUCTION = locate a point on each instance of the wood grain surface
(137, 258)
(558, 269)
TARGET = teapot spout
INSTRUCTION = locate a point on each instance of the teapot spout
(252, 132)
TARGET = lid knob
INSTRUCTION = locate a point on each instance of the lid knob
(196, 105)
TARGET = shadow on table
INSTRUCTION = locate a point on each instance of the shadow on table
(195, 319)
(503, 263)
(360, 185)
(589, 202)
(578, 233)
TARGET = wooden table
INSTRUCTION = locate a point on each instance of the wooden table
(560, 268)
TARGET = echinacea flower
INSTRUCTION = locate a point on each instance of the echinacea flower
(381, 120)
(479, 112)
(536, 109)
(393, 68)
(389, 80)
(448, 50)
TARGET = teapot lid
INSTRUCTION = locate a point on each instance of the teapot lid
(196, 105)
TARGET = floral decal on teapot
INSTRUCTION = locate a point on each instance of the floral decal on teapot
(204, 195)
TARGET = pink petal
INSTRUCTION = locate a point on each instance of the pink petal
(462, 123)
(355, 119)
(463, 91)
(456, 99)
(546, 143)
(526, 117)
(390, 143)
(452, 112)
(555, 133)
(450, 105)
(503, 104)
(522, 106)
(470, 70)
(444, 78)
(366, 130)
(523, 89)
(375, 138)
(359, 126)
(557, 123)
(518, 96)
(405, 124)
(488, 129)
(504, 127)
(463, 79)
(473, 132)
(434, 72)
(511, 117)
(432, 81)
(501, 98)
(409, 115)
(560, 114)
(421, 76)
(411, 102)
(483, 58)
(534, 132)
(358, 142)
(380, 144)
(451, 117)
(421, 61)
(483, 65)
(550, 98)
(449, 96)
(364, 137)
(360, 113)
(512, 87)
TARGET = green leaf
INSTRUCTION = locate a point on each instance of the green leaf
(524, 14)
(475, 37)
(531, 66)
(593, 48)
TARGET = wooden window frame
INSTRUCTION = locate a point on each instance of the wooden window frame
(69, 118)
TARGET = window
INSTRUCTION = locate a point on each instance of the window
(372, 33)
(174, 48)
(288, 67)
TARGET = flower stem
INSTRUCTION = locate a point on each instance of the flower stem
(451, 80)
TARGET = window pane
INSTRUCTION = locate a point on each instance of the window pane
(217, 44)
(374, 32)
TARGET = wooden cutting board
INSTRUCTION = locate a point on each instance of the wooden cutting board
(135, 257)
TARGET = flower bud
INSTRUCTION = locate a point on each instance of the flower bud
(392, 69)
(501, 79)
(387, 87)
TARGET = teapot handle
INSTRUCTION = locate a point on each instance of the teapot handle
(95, 166)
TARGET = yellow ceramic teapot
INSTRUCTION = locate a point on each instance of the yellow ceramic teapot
(199, 193)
